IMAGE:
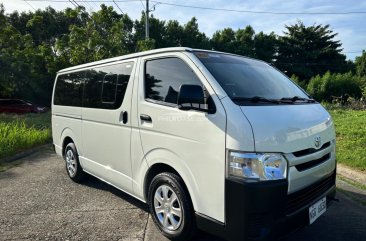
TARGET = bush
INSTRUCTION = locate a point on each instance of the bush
(16, 136)
(297, 80)
(328, 86)
(21, 132)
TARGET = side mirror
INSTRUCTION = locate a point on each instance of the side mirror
(191, 97)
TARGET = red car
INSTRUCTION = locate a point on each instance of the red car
(19, 107)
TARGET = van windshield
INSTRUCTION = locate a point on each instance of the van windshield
(248, 81)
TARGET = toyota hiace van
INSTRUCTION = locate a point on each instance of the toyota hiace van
(209, 140)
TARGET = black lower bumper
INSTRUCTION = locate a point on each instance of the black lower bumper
(264, 211)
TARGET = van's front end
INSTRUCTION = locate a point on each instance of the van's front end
(286, 179)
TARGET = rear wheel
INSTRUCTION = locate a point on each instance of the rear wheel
(171, 207)
(73, 167)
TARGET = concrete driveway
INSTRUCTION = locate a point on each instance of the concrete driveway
(39, 202)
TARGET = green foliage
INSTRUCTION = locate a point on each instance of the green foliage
(238, 42)
(310, 51)
(105, 34)
(15, 50)
(246, 42)
(224, 40)
(351, 137)
(35, 45)
(364, 92)
(323, 88)
(297, 80)
(27, 68)
(146, 44)
(265, 46)
(21, 132)
(192, 37)
(157, 32)
(360, 63)
(173, 34)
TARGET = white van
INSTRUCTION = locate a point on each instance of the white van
(209, 140)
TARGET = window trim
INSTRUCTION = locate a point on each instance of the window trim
(159, 102)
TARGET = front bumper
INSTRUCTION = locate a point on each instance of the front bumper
(264, 210)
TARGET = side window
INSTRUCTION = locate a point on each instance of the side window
(69, 89)
(105, 86)
(163, 78)
(109, 88)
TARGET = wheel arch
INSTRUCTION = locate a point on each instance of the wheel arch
(68, 136)
(67, 140)
(158, 168)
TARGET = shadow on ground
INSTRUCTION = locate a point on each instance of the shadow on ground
(94, 182)
(344, 220)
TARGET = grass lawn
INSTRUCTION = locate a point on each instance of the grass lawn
(21, 132)
(351, 137)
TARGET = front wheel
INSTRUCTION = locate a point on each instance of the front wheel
(73, 167)
(171, 207)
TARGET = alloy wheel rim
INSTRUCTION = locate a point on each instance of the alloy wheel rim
(168, 208)
(70, 162)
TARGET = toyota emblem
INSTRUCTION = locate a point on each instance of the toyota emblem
(317, 141)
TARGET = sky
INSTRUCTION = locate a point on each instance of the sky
(351, 28)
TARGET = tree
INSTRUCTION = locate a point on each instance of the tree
(173, 34)
(146, 44)
(224, 40)
(360, 64)
(265, 46)
(14, 65)
(309, 51)
(105, 34)
(192, 37)
(35, 45)
(46, 25)
(238, 42)
(156, 33)
(245, 41)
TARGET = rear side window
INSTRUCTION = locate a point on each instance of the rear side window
(69, 89)
(105, 86)
(109, 88)
(163, 78)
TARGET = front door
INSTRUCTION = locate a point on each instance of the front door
(192, 142)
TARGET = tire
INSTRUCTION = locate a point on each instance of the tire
(73, 167)
(171, 207)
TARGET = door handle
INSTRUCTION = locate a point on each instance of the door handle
(123, 117)
(146, 118)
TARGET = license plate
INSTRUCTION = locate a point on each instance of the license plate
(317, 209)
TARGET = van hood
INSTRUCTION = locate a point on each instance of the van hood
(289, 128)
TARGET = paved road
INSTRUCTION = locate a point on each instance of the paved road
(39, 202)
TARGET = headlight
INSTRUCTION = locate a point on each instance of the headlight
(257, 166)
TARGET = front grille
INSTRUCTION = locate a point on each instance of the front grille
(310, 150)
(303, 166)
(309, 194)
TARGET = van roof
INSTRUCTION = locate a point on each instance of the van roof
(129, 56)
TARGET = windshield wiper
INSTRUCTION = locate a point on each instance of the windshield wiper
(297, 98)
(255, 99)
